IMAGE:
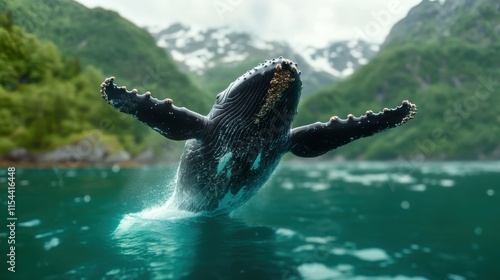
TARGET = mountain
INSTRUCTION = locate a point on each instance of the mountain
(445, 57)
(216, 56)
(471, 21)
(113, 44)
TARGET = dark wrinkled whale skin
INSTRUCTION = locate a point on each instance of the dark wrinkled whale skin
(231, 152)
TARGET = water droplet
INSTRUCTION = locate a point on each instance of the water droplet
(405, 205)
(490, 192)
(478, 231)
(115, 168)
(54, 242)
(86, 198)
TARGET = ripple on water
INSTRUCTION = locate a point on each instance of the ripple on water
(456, 277)
(460, 169)
(52, 243)
(313, 174)
(50, 233)
(307, 247)
(371, 255)
(318, 271)
(370, 178)
(70, 173)
(447, 183)
(320, 240)
(285, 232)
(116, 168)
(418, 188)
(287, 185)
(31, 223)
(316, 187)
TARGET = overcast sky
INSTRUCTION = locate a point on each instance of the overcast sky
(313, 22)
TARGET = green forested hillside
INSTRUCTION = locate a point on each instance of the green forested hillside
(454, 82)
(47, 99)
(470, 21)
(54, 56)
(109, 42)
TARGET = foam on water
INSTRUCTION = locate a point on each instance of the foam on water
(31, 223)
(418, 188)
(460, 169)
(320, 240)
(371, 255)
(50, 233)
(370, 179)
(318, 271)
(286, 232)
(287, 185)
(307, 247)
(314, 186)
(52, 243)
(446, 183)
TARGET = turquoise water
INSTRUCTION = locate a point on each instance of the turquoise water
(351, 220)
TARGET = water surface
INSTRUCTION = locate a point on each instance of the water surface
(372, 220)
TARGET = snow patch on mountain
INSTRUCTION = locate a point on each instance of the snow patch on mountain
(199, 49)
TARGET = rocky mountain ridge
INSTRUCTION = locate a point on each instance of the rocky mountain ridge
(201, 51)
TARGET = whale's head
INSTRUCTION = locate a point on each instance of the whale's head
(268, 93)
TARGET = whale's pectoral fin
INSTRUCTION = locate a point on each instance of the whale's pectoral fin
(318, 138)
(172, 122)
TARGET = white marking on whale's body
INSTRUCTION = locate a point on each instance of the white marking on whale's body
(230, 200)
(223, 162)
(256, 162)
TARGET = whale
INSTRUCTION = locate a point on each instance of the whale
(231, 152)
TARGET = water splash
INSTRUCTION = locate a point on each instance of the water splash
(141, 220)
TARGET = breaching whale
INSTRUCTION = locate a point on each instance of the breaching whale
(231, 152)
